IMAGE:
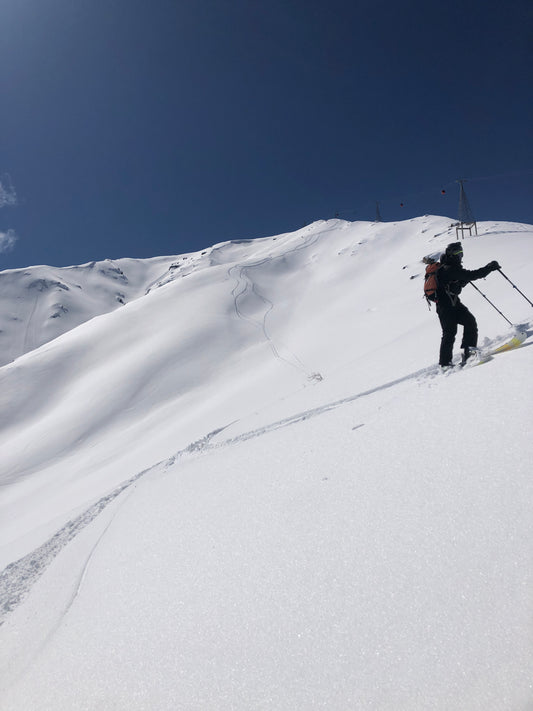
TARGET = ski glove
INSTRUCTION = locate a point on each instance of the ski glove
(494, 266)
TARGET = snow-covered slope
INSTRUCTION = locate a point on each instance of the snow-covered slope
(250, 488)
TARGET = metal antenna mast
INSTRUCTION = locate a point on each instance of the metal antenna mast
(378, 215)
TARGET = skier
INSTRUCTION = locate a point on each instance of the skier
(451, 278)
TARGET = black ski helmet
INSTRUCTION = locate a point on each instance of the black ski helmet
(454, 252)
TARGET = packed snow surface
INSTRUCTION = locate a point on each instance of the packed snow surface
(237, 480)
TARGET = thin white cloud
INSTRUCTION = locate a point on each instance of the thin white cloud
(8, 196)
(7, 240)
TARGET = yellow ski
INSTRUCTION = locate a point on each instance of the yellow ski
(514, 342)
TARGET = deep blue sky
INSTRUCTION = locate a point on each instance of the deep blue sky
(149, 127)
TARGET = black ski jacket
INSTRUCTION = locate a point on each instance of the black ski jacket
(452, 278)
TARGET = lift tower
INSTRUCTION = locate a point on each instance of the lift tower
(466, 218)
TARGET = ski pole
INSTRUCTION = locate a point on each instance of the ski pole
(514, 286)
(490, 302)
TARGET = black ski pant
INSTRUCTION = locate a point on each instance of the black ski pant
(450, 317)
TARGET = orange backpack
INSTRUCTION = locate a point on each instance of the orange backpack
(431, 280)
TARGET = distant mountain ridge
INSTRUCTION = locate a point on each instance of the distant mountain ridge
(41, 303)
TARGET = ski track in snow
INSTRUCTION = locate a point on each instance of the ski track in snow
(18, 577)
(75, 591)
(29, 335)
(246, 285)
(243, 287)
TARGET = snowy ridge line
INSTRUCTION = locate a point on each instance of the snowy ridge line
(18, 577)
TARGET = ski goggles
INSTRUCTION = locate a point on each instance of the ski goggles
(457, 253)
